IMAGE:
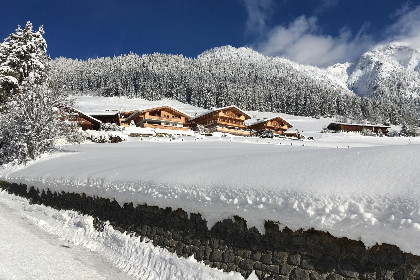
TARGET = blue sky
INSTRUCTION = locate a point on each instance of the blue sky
(316, 32)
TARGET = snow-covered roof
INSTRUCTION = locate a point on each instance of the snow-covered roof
(219, 109)
(254, 121)
(156, 108)
(362, 124)
(124, 104)
(101, 113)
(86, 116)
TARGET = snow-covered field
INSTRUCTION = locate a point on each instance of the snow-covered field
(366, 189)
(360, 187)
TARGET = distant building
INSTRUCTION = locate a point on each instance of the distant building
(85, 121)
(164, 117)
(106, 117)
(294, 134)
(276, 124)
(347, 127)
(228, 119)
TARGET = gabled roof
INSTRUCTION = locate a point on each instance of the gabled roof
(220, 109)
(157, 108)
(83, 115)
(258, 121)
(104, 114)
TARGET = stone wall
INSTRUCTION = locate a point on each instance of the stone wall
(231, 246)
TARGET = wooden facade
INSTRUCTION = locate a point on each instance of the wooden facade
(276, 124)
(346, 127)
(164, 117)
(227, 120)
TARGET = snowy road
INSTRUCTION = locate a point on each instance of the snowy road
(28, 252)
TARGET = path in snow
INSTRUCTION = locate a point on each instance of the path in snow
(27, 252)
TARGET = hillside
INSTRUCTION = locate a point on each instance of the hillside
(227, 75)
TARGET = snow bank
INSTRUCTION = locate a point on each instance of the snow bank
(370, 193)
(139, 259)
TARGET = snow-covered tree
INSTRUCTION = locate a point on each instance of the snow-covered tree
(33, 122)
(22, 54)
(33, 114)
(409, 130)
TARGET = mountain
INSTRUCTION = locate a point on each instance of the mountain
(378, 87)
(245, 55)
(390, 70)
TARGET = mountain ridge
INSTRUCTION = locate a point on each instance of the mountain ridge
(362, 77)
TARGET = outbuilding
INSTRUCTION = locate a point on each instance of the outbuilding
(348, 127)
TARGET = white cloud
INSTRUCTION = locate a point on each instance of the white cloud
(406, 28)
(257, 14)
(302, 41)
(325, 5)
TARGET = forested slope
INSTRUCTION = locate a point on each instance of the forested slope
(227, 75)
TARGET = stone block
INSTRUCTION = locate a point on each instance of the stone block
(279, 257)
(299, 274)
(334, 276)
(216, 256)
(266, 258)
(228, 256)
(293, 259)
(274, 269)
(285, 269)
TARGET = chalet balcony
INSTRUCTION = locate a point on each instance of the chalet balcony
(163, 118)
(158, 120)
(156, 125)
(233, 124)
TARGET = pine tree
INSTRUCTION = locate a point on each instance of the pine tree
(32, 117)
(22, 54)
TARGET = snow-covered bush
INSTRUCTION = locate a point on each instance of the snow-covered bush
(104, 136)
(265, 134)
(110, 127)
(200, 129)
(393, 133)
(326, 130)
(32, 122)
(410, 130)
(367, 132)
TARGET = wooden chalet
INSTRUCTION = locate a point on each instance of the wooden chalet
(276, 124)
(85, 121)
(164, 117)
(347, 127)
(229, 119)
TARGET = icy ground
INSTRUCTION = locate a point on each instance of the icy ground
(38, 242)
(368, 188)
